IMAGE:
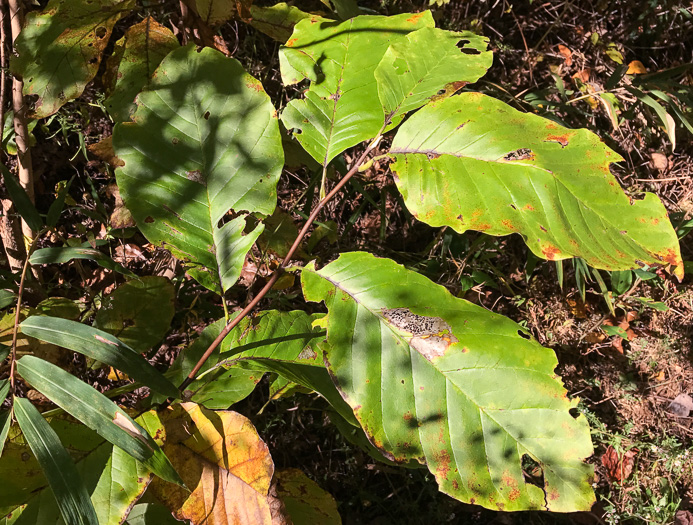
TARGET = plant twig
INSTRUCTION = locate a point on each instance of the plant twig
(15, 328)
(10, 228)
(280, 270)
(21, 131)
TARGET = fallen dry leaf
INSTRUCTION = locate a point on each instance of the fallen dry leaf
(618, 468)
(103, 150)
(660, 161)
(636, 68)
(223, 462)
(681, 406)
(566, 53)
(684, 517)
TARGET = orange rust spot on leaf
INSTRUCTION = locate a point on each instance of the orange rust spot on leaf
(414, 18)
(444, 464)
(561, 139)
(550, 253)
(291, 42)
(529, 207)
(508, 224)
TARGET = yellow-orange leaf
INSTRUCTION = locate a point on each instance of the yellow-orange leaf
(636, 68)
(225, 464)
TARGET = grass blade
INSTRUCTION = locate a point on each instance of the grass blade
(68, 488)
(98, 345)
(97, 412)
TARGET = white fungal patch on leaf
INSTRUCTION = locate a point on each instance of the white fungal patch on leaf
(431, 336)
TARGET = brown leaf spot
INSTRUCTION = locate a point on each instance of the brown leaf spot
(104, 340)
(149, 219)
(519, 154)
(414, 18)
(561, 139)
(195, 176)
(550, 253)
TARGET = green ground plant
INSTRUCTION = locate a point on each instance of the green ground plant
(412, 374)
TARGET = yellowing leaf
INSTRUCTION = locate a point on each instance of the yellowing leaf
(636, 68)
(225, 464)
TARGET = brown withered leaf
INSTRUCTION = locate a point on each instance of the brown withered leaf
(224, 463)
(103, 150)
(618, 468)
(566, 53)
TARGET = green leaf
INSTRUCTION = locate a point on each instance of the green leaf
(437, 379)
(113, 479)
(133, 62)
(97, 412)
(473, 162)
(151, 514)
(138, 312)
(65, 254)
(344, 9)
(193, 154)
(60, 49)
(7, 297)
(305, 501)
(98, 345)
(21, 201)
(5, 422)
(276, 21)
(341, 107)
(427, 61)
(212, 12)
(66, 484)
(58, 204)
(4, 389)
(621, 281)
(615, 331)
(281, 335)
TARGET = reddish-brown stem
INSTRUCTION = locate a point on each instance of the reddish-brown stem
(278, 272)
(15, 329)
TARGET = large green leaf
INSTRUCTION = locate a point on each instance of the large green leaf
(113, 479)
(138, 312)
(473, 162)
(59, 49)
(426, 62)
(435, 378)
(204, 142)
(98, 345)
(67, 486)
(341, 108)
(133, 62)
(97, 412)
(276, 21)
(279, 335)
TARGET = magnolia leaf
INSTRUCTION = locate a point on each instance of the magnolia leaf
(277, 21)
(305, 502)
(66, 254)
(138, 312)
(113, 479)
(100, 346)
(426, 62)
(282, 335)
(204, 142)
(473, 162)
(440, 380)
(60, 48)
(224, 462)
(341, 107)
(133, 62)
(70, 494)
(97, 412)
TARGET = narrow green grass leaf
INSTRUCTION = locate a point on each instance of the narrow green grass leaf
(21, 201)
(98, 345)
(66, 254)
(5, 422)
(68, 488)
(97, 412)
